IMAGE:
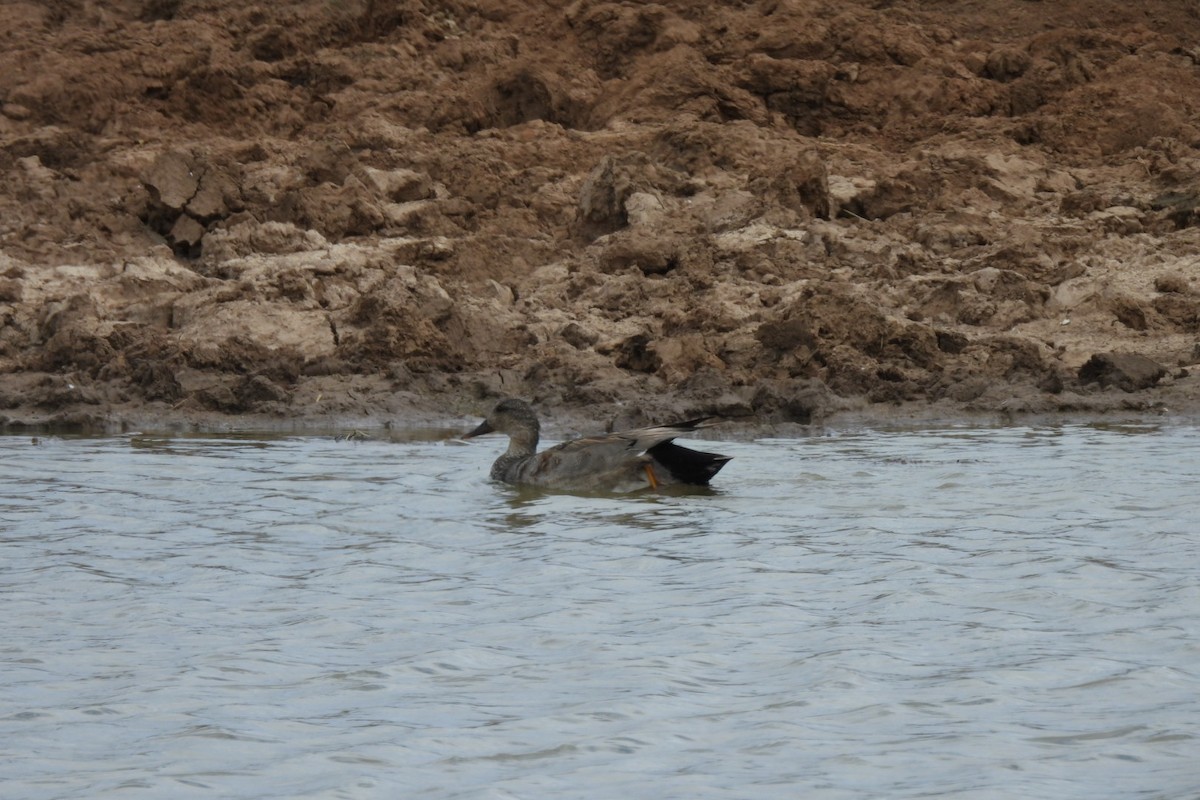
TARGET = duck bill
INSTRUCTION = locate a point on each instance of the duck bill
(483, 428)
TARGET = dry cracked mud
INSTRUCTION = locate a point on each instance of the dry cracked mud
(782, 210)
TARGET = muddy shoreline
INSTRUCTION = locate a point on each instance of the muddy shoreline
(788, 213)
(426, 418)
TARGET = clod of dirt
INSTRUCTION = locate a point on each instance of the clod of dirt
(1129, 372)
(1173, 283)
(171, 180)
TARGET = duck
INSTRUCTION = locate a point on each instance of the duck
(624, 461)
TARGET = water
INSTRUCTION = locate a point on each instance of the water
(962, 613)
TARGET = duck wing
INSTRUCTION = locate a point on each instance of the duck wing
(674, 463)
(686, 465)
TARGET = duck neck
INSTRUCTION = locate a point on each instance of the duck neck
(522, 444)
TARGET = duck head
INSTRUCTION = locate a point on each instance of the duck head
(516, 418)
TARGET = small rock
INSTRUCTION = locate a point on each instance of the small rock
(951, 341)
(1123, 220)
(1133, 313)
(1126, 371)
(1006, 63)
(255, 389)
(499, 292)
(399, 185)
(1057, 182)
(1173, 283)
(1180, 310)
(803, 186)
(10, 290)
(602, 198)
(171, 180)
(577, 336)
(637, 355)
(683, 356)
(407, 214)
(208, 202)
(329, 162)
(652, 254)
(186, 231)
(644, 208)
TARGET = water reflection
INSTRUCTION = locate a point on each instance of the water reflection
(1127, 428)
(197, 444)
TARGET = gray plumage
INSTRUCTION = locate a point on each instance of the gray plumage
(623, 461)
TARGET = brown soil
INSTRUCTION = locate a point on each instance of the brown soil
(785, 209)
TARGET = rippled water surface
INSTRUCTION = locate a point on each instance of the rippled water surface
(967, 613)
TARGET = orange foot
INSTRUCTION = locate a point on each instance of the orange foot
(650, 476)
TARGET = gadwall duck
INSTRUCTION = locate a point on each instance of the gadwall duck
(624, 461)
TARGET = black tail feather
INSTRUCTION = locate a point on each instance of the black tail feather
(689, 466)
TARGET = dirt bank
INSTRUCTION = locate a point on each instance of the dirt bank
(782, 209)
